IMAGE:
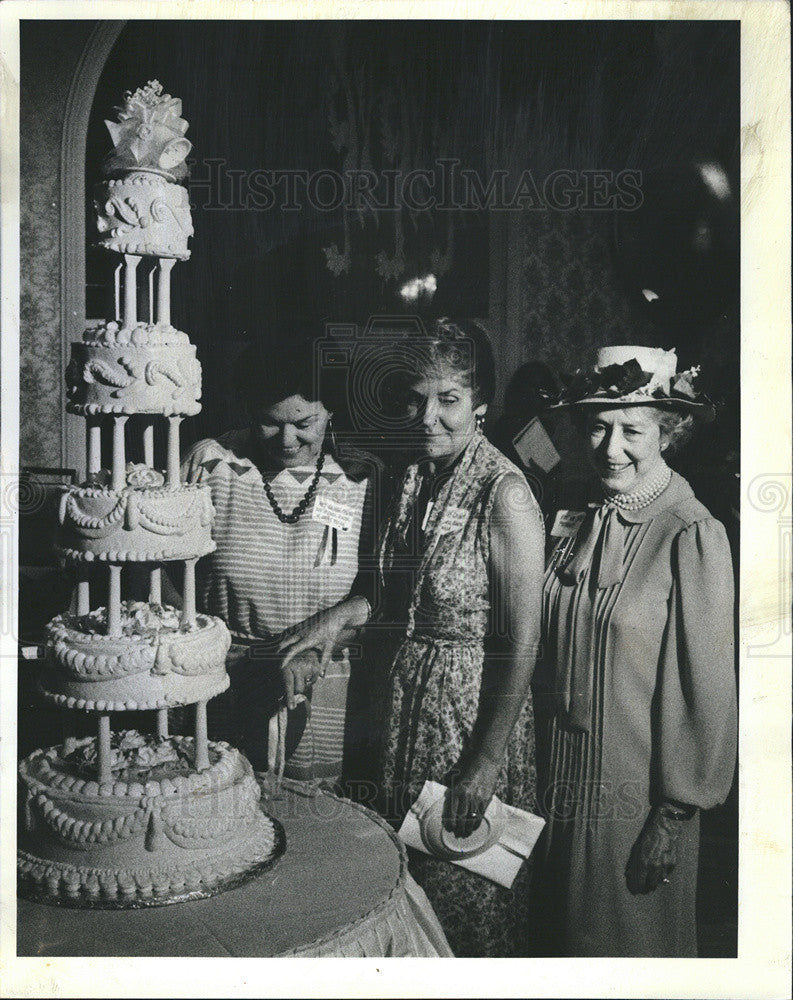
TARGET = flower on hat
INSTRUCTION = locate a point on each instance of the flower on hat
(629, 381)
(613, 381)
(684, 383)
(619, 380)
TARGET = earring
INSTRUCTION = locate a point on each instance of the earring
(332, 436)
(480, 421)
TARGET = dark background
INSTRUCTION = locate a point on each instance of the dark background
(660, 97)
(543, 96)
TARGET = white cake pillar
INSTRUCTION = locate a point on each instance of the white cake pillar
(174, 475)
(130, 289)
(105, 758)
(162, 723)
(151, 294)
(188, 599)
(114, 602)
(201, 762)
(155, 578)
(117, 291)
(93, 430)
(119, 454)
(164, 290)
(148, 445)
(83, 597)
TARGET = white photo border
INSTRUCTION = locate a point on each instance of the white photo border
(762, 968)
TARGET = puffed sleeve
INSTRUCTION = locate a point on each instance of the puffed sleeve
(696, 735)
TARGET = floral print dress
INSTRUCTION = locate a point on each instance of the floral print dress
(431, 641)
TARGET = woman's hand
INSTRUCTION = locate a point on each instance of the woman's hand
(324, 631)
(654, 855)
(299, 675)
(469, 796)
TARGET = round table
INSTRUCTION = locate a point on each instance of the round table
(341, 889)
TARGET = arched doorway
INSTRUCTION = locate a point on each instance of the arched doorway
(73, 234)
(300, 99)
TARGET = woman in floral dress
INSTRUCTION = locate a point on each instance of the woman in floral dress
(453, 644)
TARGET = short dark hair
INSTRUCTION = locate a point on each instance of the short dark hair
(266, 373)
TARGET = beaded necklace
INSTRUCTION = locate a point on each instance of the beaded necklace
(645, 496)
(300, 510)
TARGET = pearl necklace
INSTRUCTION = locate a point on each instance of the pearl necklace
(300, 510)
(643, 497)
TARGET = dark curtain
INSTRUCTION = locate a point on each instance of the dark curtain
(313, 95)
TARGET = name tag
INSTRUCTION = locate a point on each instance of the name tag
(333, 513)
(453, 519)
(567, 523)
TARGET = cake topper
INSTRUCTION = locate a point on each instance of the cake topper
(149, 134)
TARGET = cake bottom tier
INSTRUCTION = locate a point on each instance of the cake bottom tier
(156, 835)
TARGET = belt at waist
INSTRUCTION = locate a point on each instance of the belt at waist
(439, 639)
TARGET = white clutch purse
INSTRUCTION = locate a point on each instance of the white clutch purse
(495, 850)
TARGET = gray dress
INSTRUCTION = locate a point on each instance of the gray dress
(636, 702)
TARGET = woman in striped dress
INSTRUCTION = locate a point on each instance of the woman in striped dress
(292, 517)
(635, 694)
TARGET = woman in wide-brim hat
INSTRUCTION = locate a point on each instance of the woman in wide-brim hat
(635, 692)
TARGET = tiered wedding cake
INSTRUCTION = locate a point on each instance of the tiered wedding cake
(123, 818)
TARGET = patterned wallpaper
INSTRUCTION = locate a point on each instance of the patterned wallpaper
(570, 298)
(43, 102)
(561, 300)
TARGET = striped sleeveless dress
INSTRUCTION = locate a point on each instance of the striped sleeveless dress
(266, 576)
